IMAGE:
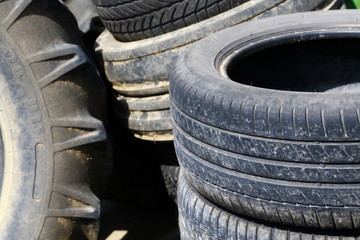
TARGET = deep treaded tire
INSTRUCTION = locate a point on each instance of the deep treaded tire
(283, 156)
(140, 19)
(53, 141)
(199, 219)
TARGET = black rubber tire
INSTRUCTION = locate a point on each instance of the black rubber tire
(84, 12)
(147, 125)
(277, 151)
(140, 19)
(147, 117)
(54, 150)
(152, 103)
(170, 174)
(169, 166)
(134, 69)
(200, 219)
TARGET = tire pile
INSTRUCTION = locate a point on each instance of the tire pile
(267, 128)
(144, 39)
(264, 114)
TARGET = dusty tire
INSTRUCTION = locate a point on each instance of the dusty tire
(170, 174)
(201, 219)
(170, 168)
(136, 20)
(54, 147)
(84, 12)
(285, 156)
(134, 69)
(148, 118)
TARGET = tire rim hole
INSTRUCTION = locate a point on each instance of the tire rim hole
(304, 66)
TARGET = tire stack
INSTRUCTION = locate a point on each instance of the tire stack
(267, 128)
(144, 38)
(143, 41)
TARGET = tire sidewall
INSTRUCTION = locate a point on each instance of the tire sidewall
(197, 80)
(27, 150)
(201, 61)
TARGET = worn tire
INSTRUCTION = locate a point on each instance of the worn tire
(285, 156)
(53, 140)
(199, 219)
(136, 20)
(153, 125)
(147, 117)
(134, 69)
(169, 166)
(152, 103)
(84, 12)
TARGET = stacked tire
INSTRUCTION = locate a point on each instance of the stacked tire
(146, 37)
(143, 41)
(267, 129)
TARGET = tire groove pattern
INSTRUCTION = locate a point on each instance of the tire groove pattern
(196, 226)
(163, 17)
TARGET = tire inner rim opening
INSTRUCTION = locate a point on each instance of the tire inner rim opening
(298, 63)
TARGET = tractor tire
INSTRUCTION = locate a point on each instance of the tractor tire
(53, 157)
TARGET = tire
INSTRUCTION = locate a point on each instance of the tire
(200, 219)
(53, 141)
(170, 174)
(170, 168)
(147, 117)
(146, 125)
(131, 21)
(278, 152)
(136, 20)
(84, 12)
(134, 69)
(143, 104)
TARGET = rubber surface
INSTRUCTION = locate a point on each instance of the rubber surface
(84, 12)
(148, 117)
(133, 67)
(136, 20)
(200, 219)
(52, 112)
(169, 166)
(170, 175)
(152, 103)
(253, 111)
(146, 121)
(290, 157)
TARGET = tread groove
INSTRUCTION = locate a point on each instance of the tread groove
(18, 8)
(81, 194)
(323, 122)
(293, 121)
(342, 120)
(268, 119)
(62, 70)
(90, 137)
(280, 121)
(307, 121)
(254, 117)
